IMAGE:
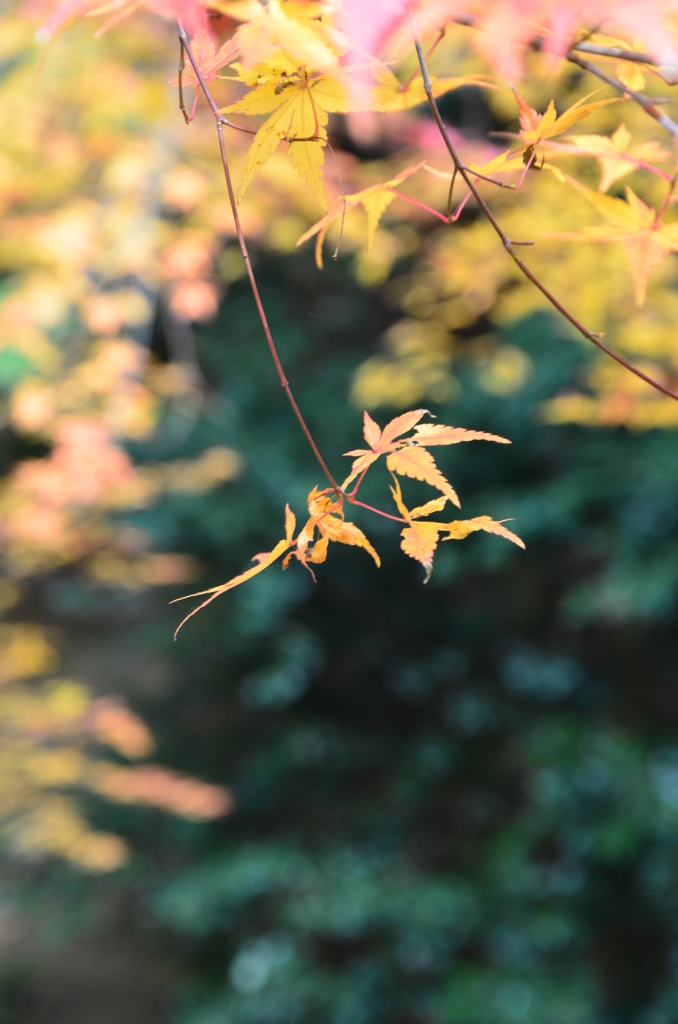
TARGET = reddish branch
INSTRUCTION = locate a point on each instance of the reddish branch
(220, 122)
(506, 241)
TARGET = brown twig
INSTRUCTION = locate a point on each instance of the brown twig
(180, 80)
(506, 241)
(615, 53)
(648, 105)
(220, 120)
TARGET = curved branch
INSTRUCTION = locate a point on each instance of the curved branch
(648, 105)
(220, 120)
(507, 242)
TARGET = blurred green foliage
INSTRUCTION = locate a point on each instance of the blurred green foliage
(458, 802)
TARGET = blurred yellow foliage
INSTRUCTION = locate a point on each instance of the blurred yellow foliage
(50, 733)
(83, 280)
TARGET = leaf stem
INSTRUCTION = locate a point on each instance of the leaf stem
(370, 508)
(422, 206)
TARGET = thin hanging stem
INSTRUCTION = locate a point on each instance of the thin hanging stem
(220, 120)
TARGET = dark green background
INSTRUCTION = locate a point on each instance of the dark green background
(458, 802)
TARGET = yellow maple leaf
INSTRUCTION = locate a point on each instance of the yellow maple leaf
(630, 74)
(616, 156)
(301, 30)
(536, 128)
(374, 201)
(419, 540)
(647, 241)
(298, 102)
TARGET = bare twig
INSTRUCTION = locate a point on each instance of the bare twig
(615, 52)
(648, 105)
(180, 79)
(506, 241)
(220, 120)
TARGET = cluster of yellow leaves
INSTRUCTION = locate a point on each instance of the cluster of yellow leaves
(537, 128)
(465, 275)
(51, 735)
(299, 100)
(123, 225)
(647, 240)
(615, 154)
(406, 456)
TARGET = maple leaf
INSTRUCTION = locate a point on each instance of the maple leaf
(298, 28)
(615, 154)
(419, 464)
(390, 95)
(420, 540)
(536, 128)
(647, 241)
(408, 456)
(630, 75)
(438, 433)
(374, 201)
(207, 58)
(298, 102)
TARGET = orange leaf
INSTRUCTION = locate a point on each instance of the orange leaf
(438, 433)
(372, 431)
(400, 425)
(419, 464)
(420, 542)
(460, 528)
(435, 505)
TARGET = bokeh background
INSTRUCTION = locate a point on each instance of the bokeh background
(446, 803)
